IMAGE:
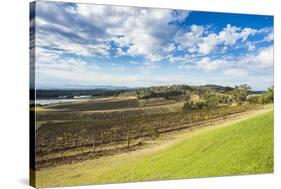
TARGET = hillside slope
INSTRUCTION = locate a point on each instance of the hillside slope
(245, 147)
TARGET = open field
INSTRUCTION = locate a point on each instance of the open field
(244, 145)
(64, 137)
(97, 136)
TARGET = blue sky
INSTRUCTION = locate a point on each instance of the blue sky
(87, 44)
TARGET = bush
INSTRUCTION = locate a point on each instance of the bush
(194, 105)
(266, 98)
(253, 99)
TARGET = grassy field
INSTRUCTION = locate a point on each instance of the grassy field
(243, 147)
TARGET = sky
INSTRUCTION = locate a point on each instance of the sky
(93, 45)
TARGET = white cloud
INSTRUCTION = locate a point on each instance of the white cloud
(144, 31)
(70, 70)
(77, 71)
(60, 42)
(66, 64)
(170, 48)
(262, 59)
(190, 40)
(122, 41)
(251, 46)
(208, 65)
(269, 37)
(44, 55)
(246, 32)
(199, 40)
(120, 52)
(134, 62)
(208, 45)
(235, 72)
(229, 35)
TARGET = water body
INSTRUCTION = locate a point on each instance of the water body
(60, 100)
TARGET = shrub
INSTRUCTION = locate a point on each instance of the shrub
(194, 105)
(253, 99)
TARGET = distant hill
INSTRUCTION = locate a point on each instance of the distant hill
(71, 93)
(174, 90)
(165, 91)
(84, 87)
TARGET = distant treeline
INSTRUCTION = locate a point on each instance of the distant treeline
(240, 95)
(174, 90)
(50, 94)
(141, 93)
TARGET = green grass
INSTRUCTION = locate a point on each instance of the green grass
(245, 147)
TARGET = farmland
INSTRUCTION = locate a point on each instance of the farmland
(239, 146)
(104, 104)
(97, 128)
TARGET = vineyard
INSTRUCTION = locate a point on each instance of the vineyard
(85, 135)
(98, 105)
(227, 148)
(103, 114)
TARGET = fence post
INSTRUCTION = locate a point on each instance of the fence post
(94, 146)
(102, 135)
(111, 136)
(128, 138)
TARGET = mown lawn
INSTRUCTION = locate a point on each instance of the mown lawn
(245, 147)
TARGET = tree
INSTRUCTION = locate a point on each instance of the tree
(138, 94)
(188, 106)
(241, 92)
(187, 96)
(253, 99)
(266, 97)
(166, 96)
(211, 99)
(194, 105)
(224, 98)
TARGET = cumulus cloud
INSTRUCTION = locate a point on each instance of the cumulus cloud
(207, 64)
(208, 44)
(256, 61)
(143, 31)
(196, 40)
(134, 31)
(190, 40)
(251, 46)
(269, 37)
(261, 59)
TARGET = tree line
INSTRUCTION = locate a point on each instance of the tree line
(240, 95)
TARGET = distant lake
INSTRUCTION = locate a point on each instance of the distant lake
(60, 100)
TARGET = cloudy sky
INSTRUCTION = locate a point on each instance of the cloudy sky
(87, 44)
